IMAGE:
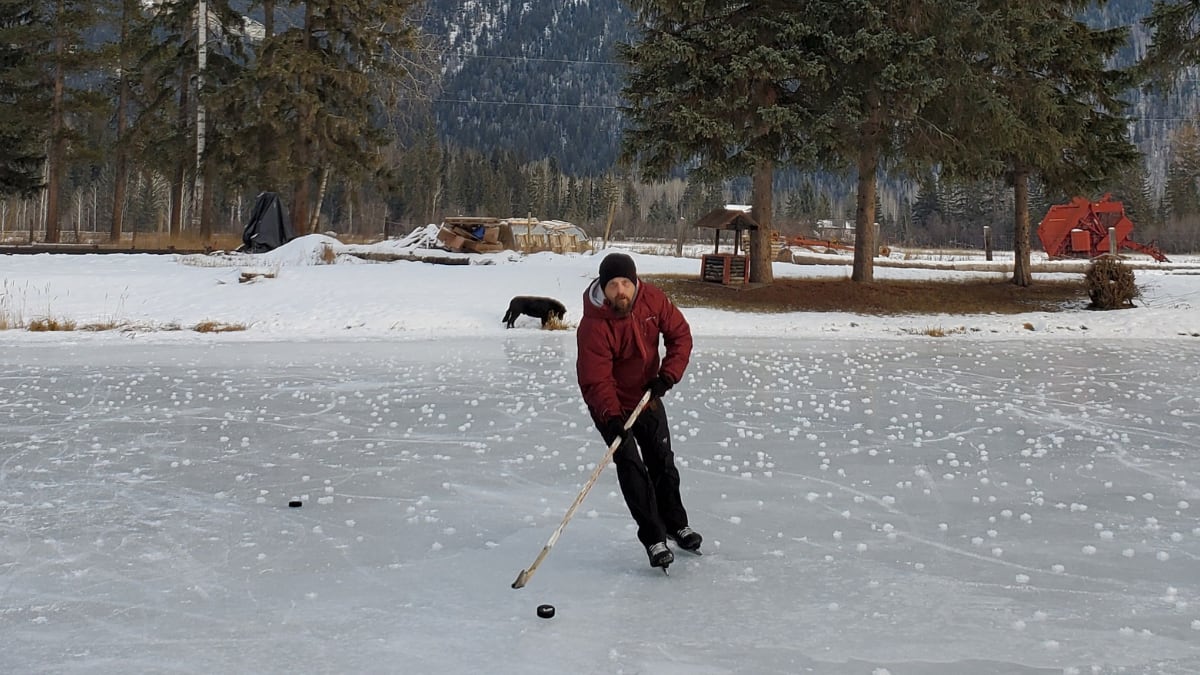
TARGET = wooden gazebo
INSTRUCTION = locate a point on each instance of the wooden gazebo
(726, 268)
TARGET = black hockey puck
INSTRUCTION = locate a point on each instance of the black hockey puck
(295, 503)
(546, 611)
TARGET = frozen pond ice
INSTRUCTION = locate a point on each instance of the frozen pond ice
(923, 506)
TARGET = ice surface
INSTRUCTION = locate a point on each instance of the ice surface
(905, 506)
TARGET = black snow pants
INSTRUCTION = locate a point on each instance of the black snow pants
(649, 480)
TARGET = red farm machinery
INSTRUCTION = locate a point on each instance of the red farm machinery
(1081, 229)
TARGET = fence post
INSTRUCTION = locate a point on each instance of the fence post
(1112, 241)
(987, 242)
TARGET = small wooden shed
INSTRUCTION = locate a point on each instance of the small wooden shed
(726, 268)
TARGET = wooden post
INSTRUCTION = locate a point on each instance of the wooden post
(1112, 241)
(987, 242)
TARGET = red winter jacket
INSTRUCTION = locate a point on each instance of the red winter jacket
(618, 355)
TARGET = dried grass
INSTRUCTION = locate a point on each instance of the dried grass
(938, 331)
(880, 298)
(328, 257)
(48, 324)
(187, 242)
(9, 319)
(98, 326)
(218, 327)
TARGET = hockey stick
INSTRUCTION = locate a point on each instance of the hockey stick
(523, 577)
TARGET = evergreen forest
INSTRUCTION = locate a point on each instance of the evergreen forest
(122, 119)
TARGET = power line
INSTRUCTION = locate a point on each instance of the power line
(534, 58)
(532, 105)
(589, 106)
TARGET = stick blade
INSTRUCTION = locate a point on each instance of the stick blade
(521, 579)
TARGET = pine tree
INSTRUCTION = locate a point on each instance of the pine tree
(882, 62)
(554, 190)
(122, 54)
(162, 82)
(1175, 45)
(717, 82)
(1045, 104)
(795, 82)
(67, 63)
(1132, 189)
(927, 206)
(1182, 197)
(322, 90)
(536, 178)
(632, 203)
(23, 101)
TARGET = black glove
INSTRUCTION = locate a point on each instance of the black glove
(659, 386)
(613, 428)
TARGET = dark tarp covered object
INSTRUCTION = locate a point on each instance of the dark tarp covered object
(268, 227)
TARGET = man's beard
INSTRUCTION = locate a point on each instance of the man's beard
(621, 305)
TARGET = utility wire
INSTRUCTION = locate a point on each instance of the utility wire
(532, 58)
(590, 106)
(532, 105)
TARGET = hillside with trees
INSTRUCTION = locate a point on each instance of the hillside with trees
(116, 121)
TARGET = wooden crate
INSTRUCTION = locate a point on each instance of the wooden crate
(724, 268)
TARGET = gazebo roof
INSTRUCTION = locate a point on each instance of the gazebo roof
(727, 219)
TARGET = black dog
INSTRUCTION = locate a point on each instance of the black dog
(542, 308)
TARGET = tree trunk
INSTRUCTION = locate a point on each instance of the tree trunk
(300, 207)
(120, 180)
(864, 212)
(762, 194)
(1022, 272)
(612, 211)
(864, 226)
(303, 156)
(198, 187)
(175, 224)
(268, 18)
(178, 188)
(206, 206)
(121, 166)
(314, 220)
(58, 139)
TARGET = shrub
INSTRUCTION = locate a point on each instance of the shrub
(50, 324)
(328, 257)
(1110, 283)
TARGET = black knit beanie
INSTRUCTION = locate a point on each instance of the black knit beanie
(617, 265)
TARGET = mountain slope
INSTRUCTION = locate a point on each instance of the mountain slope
(540, 79)
(534, 78)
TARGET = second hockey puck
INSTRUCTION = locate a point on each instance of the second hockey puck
(295, 503)
(545, 611)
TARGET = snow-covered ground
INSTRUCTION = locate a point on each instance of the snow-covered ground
(995, 501)
(295, 297)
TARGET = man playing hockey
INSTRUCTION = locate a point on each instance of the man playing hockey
(618, 361)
